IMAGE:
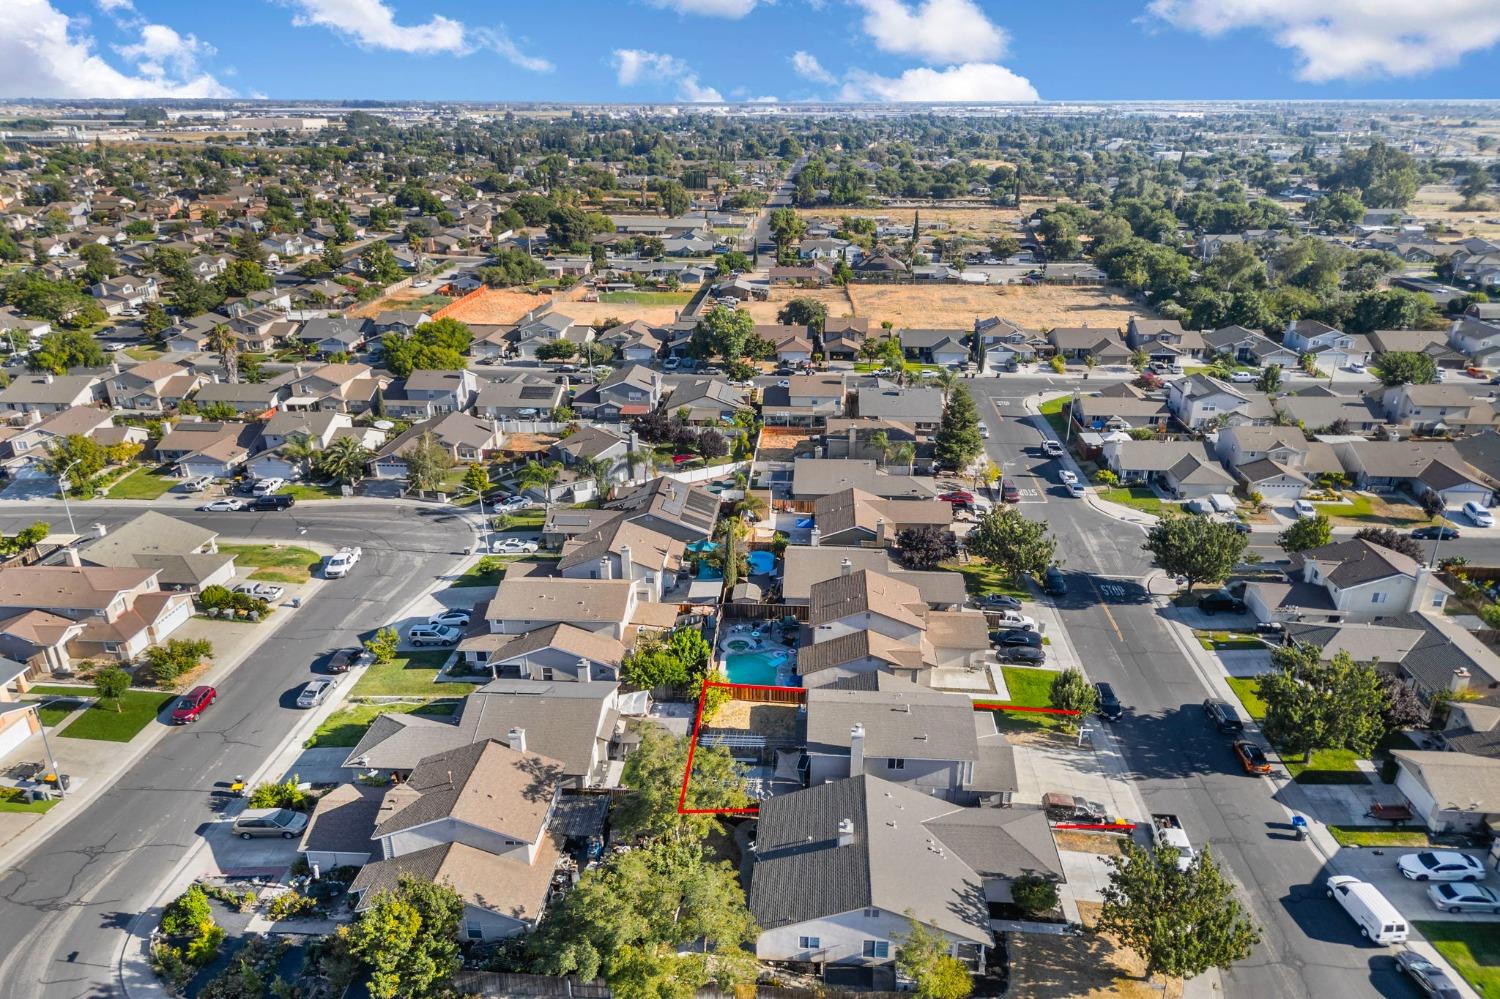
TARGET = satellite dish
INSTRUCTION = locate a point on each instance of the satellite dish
(383, 425)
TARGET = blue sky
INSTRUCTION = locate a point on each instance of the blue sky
(789, 50)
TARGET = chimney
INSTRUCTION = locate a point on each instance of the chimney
(1459, 681)
(625, 563)
(99, 530)
(846, 832)
(880, 531)
(606, 571)
(846, 568)
(71, 554)
(47, 378)
(516, 738)
(584, 676)
(856, 750)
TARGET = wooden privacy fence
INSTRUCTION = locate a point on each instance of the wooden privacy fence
(764, 612)
(497, 984)
(768, 695)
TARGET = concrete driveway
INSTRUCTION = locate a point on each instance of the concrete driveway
(1378, 867)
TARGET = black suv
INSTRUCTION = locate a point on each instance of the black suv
(1109, 705)
(1221, 601)
(1054, 582)
(1016, 636)
(271, 503)
(1223, 716)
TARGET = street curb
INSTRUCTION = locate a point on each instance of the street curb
(1110, 510)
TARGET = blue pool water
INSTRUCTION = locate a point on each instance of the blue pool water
(761, 563)
(706, 571)
(754, 667)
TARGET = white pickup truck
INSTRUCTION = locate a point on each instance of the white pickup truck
(1170, 836)
(337, 565)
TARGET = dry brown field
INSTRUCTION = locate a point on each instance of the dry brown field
(946, 306)
(1434, 203)
(496, 307)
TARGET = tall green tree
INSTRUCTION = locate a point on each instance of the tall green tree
(1312, 704)
(1306, 533)
(804, 312)
(1072, 692)
(62, 350)
(957, 442)
(1197, 548)
(653, 773)
(1017, 546)
(1181, 923)
(379, 264)
(79, 459)
(408, 939)
(922, 955)
(1405, 367)
(722, 332)
(427, 463)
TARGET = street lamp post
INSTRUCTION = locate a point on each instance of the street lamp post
(62, 487)
(52, 763)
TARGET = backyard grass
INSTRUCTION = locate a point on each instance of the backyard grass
(1028, 688)
(1141, 498)
(1247, 689)
(103, 722)
(646, 298)
(981, 578)
(410, 674)
(1327, 766)
(1473, 948)
(345, 727)
(312, 491)
(11, 801)
(142, 484)
(1380, 835)
(525, 520)
(276, 563)
(1217, 641)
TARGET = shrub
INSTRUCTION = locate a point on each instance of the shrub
(290, 905)
(286, 794)
(187, 913)
(1034, 894)
(216, 597)
(170, 966)
(204, 947)
(1105, 477)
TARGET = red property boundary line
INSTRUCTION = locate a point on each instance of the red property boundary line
(687, 773)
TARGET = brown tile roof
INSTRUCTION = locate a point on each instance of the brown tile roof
(485, 784)
(861, 591)
(499, 884)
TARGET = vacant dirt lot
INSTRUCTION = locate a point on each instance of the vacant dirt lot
(1434, 203)
(1091, 967)
(974, 222)
(595, 313)
(943, 306)
(496, 307)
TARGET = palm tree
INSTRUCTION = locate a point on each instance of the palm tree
(221, 340)
(946, 380)
(881, 441)
(903, 453)
(298, 450)
(344, 460)
(753, 505)
(539, 475)
(599, 470)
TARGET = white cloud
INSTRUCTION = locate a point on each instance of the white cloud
(114, 6)
(42, 56)
(634, 66)
(1339, 39)
(944, 31)
(806, 65)
(372, 23)
(974, 81)
(733, 9)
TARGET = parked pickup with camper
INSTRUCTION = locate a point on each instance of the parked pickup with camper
(1171, 836)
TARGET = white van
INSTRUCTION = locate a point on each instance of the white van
(1377, 918)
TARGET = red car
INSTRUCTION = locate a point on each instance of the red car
(190, 705)
(957, 496)
(1009, 492)
(1252, 758)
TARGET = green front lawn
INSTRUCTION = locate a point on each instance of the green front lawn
(11, 801)
(981, 578)
(1327, 766)
(142, 484)
(1473, 948)
(312, 491)
(1052, 409)
(1359, 506)
(526, 520)
(276, 563)
(1247, 689)
(346, 726)
(54, 713)
(1028, 688)
(1380, 836)
(1141, 498)
(660, 298)
(111, 721)
(410, 674)
(1217, 641)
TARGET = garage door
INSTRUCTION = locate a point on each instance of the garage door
(15, 733)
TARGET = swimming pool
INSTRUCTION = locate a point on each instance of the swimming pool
(761, 563)
(754, 667)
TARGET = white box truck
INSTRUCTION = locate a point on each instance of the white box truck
(1377, 918)
(1169, 835)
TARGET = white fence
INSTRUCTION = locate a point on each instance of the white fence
(711, 472)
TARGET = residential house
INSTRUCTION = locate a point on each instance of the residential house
(477, 819)
(843, 338)
(1332, 348)
(1352, 580)
(333, 335)
(591, 444)
(948, 348)
(1322, 410)
(1475, 338)
(183, 555)
(121, 611)
(1003, 343)
(630, 391)
(1183, 469)
(707, 400)
(1418, 467)
(528, 335)
(804, 401)
(803, 566)
(1075, 343)
(677, 509)
(247, 398)
(928, 740)
(1449, 792)
(213, 449)
(855, 517)
(315, 429)
(1433, 343)
(152, 387)
(49, 393)
(1121, 407)
(467, 440)
(624, 549)
(558, 652)
(1277, 462)
(577, 724)
(1164, 340)
(918, 407)
(402, 321)
(816, 477)
(1200, 400)
(522, 397)
(24, 449)
(1249, 347)
(345, 388)
(424, 394)
(842, 869)
(1438, 409)
(19, 720)
(864, 600)
(606, 606)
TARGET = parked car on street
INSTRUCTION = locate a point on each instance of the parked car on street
(226, 505)
(1026, 654)
(427, 634)
(1066, 477)
(1009, 492)
(266, 503)
(1379, 921)
(1432, 980)
(513, 546)
(1435, 533)
(283, 822)
(1440, 865)
(1108, 704)
(315, 692)
(1252, 757)
(1241, 377)
(190, 706)
(344, 660)
(1223, 716)
(1464, 898)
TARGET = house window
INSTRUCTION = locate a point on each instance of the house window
(809, 943)
(473, 930)
(1439, 600)
(1377, 598)
(111, 647)
(895, 763)
(880, 949)
(546, 672)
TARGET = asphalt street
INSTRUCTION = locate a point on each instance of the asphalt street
(1181, 765)
(64, 908)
